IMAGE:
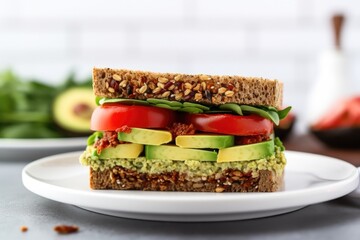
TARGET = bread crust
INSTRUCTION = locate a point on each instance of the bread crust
(230, 180)
(205, 89)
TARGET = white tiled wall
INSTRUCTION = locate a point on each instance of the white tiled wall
(271, 38)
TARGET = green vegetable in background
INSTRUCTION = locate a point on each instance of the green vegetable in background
(26, 106)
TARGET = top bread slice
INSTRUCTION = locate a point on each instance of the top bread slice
(205, 89)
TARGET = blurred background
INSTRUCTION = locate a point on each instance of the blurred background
(278, 39)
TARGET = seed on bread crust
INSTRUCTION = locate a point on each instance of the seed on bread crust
(221, 90)
(188, 85)
(197, 87)
(204, 77)
(178, 96)
(229, 93)
(123, 83)
(163, 80)
(166, 94)
(160, 85)
(143, 89)
(187, 92)
(198, 96)
(128, 179)
(219, 189)
(116, 77)
(214, 89)
(156, 90)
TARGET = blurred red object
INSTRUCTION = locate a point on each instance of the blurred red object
(344, 114)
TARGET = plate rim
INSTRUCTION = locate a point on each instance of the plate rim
(346, 186)
(42, 143)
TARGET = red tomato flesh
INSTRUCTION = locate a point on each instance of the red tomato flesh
(230, 124)
(345, 114)
(110, 117)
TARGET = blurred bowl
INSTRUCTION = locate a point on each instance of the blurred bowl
(344, 137)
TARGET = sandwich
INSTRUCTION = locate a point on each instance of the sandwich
(180, 132)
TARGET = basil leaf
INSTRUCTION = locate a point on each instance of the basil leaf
(233, 107)
(272, 115)
(283, 113)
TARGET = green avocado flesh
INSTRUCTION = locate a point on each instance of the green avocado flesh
(204, 141)
(176, 153)
(276, 163)
(129, 150)
(146, 136)
(246, 152)
(72, 109)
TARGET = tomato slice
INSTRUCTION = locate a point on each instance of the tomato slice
(110, 117)
(345, 114)
(230, 124)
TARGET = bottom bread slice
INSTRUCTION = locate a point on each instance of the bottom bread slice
(230, 180)
(261, 175)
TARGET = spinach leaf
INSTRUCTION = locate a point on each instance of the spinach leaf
(283, 113)
(233, 107)
(271, 115)
(26, 106)
(164, 101)
(102, 101)
(196, 105)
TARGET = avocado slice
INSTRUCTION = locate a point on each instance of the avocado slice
(205, 141)
(247, 152)
(72, 109)
(127, 150)
(177, 153)
(146, 136)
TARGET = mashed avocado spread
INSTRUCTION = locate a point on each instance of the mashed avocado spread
(275, 162)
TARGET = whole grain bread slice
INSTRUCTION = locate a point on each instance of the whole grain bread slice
(230, 180)
(205, 89)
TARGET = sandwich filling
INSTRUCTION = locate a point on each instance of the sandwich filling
(157, 136)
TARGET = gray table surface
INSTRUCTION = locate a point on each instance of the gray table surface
(335, 219)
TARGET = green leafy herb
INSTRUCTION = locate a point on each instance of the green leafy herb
(156, 101)
(122, 101)
(196, 105)
(97, 100)
(272, 115)
(233, 107)
(94, 137)
(161, 105)
(191, 110)
(283, 113)
(26, 106)
(268, 112)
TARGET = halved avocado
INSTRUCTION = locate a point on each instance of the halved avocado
(72, 109)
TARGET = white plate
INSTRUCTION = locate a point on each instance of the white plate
(356, 192)
(32, 149)
(309, 179)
